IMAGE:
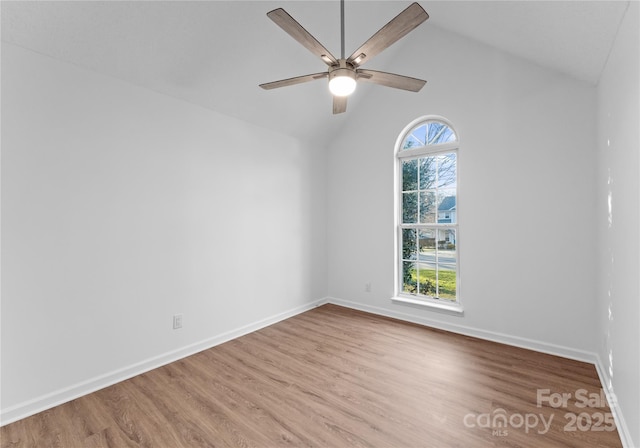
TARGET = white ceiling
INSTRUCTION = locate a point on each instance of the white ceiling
(215, 53)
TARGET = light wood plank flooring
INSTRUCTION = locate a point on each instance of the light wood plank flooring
(334, 377)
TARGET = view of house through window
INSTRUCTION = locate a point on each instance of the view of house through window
(427, 207)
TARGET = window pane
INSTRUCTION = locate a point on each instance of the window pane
(427, 267)
(438, 132)
(427, 207)
(447, 206)
(408, 277)
(409, 175)
(420, 134)
(427, 286)
(447, 260)
(411, 142)
(447, 171)
(427, 172)
(409, 246)
(410, 208)
(427, 243)
(448, 136)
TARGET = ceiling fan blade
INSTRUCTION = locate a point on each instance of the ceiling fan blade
(293, 81)
(297, 31)
(391, 80)
(339, 104)
(393, 31)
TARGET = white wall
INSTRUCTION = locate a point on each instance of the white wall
(618, 311)
(526, 165)
(122, 207)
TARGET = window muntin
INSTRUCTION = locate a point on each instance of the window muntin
(428, 188)
(431, 132)
(428, 224)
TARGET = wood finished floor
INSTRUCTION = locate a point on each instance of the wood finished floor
(331, 377)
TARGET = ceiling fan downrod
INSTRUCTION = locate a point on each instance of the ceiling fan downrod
(341, 29)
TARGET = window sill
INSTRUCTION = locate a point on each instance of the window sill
(455, 308)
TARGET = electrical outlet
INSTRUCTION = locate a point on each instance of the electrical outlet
(177, 321)
(367, 287)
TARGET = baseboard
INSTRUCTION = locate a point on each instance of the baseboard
(552, 349)
(621, 424)
(531, 344)
(58, 397)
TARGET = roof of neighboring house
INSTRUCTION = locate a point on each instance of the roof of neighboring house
(447, 204)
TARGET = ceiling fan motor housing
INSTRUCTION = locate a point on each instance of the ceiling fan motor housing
(343, 68)
(342, 78)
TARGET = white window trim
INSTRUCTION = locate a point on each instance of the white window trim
(416, 152)
(437, 304)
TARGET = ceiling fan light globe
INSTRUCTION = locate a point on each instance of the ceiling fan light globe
(342, 82)
(342, 86)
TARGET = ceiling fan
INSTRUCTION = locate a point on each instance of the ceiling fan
(344, 72)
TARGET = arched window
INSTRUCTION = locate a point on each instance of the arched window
(427, 213)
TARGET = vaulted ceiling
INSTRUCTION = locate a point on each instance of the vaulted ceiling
(215, 53)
